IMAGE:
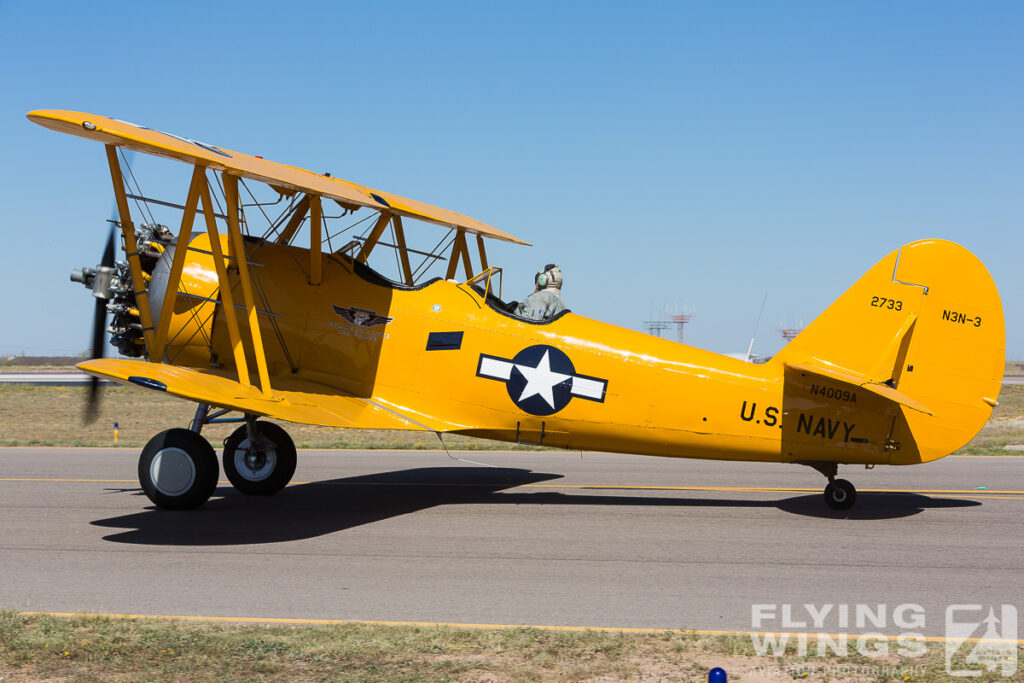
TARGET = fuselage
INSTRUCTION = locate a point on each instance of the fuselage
(451, 360)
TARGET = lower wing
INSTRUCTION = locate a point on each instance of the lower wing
(292, 399)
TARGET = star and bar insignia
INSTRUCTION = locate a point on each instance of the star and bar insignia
(541, 379)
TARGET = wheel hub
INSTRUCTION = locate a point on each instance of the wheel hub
(255, 463)
(255, 459)
(172, 471)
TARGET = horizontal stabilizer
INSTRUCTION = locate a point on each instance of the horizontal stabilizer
(859, 381)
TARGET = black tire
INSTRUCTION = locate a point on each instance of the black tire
(261, 473)
(178, 470)
(840, 494)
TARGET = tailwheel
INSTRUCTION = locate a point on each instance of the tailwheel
(178, 470)
(840, 494)
(259, 458)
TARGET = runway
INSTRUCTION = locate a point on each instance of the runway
(542, 538)
(48, 379)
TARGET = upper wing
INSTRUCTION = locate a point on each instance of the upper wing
(288, 178)
(293, 400)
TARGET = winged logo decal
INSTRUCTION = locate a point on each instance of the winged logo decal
(362, 317)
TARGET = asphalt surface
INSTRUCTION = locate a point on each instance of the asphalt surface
(543, 538)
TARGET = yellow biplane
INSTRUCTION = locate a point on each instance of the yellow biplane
(905, 367)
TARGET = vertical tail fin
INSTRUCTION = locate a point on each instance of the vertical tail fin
(923, 331)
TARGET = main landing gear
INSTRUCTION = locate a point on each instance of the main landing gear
(839, 493)
(178, 467)
(259, 458)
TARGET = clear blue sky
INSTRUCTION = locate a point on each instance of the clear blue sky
(686, 154)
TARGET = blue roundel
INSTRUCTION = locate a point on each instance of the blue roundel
(541, 380)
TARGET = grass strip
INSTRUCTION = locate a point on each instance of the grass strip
(94, 648)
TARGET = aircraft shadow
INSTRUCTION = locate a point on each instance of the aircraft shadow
(872, 506)
(869, 506)
(319, 508)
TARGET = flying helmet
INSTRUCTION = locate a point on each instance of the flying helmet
(551, 276)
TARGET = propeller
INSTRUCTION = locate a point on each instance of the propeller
(101, 276)
(99, 329)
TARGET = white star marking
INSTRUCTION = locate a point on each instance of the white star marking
(540, 381)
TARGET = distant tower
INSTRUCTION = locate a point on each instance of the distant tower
(681, 321)
(656, 326)
(790, 333)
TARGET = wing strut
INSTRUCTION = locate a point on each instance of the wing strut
(227, 299)
(184, 237)
(237, 247)
(460, 252)
(403, 252)
(483, 252)
(374, 236)
(131, 247)
(301, 209)
(316, 224)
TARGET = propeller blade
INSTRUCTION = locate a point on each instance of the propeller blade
(108, 252)
(99, 319)
(99, 342)
(99, 328)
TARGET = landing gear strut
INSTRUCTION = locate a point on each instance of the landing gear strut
(839, 493)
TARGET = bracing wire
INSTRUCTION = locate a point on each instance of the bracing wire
(327, 238)
(362, 220)
(199, 329)
(430, 257)
(273, 321)
(398, 259)
(216, 198)
(287, 211)
(471, 462)
(134, 185)
(256, 202)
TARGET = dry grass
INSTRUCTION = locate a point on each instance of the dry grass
(98, 648)
(1004, 428)
(53, 416)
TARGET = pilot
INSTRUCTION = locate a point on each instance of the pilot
(546, 301)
